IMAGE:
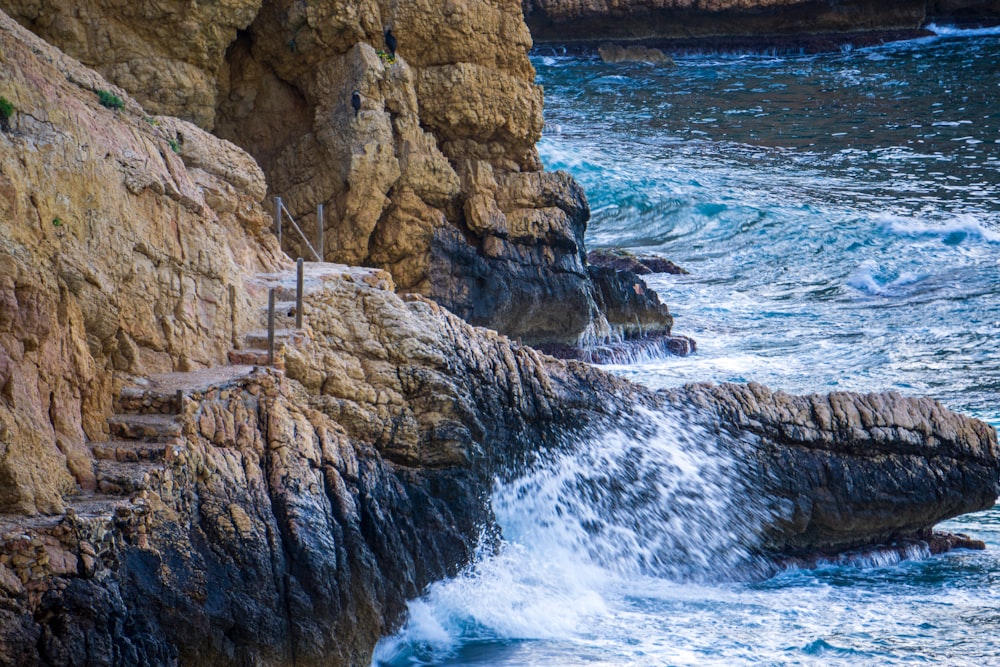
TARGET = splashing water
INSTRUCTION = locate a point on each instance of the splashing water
(656, 501)
(840, 216)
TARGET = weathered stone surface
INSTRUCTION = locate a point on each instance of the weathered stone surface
(849, 470)
(751, 21)
(167, 54)
(435, 178)
(305, 508)
(120, 256)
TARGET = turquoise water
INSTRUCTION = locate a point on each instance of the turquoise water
(840, 218)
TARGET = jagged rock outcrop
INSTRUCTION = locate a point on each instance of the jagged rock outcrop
(300, 510)
(739, 22)
(120, 256)
(435, 178)
(851, 470)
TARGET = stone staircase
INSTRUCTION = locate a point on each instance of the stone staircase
(145, 441)
(144, 436)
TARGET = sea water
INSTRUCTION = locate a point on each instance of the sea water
(839, 215)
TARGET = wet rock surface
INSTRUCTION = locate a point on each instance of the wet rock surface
(304, 507)
(849, 470)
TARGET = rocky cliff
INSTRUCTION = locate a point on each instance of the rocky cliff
(434, 177)
(125, 241)
(161, 506)
(744, 23)
(291, 514)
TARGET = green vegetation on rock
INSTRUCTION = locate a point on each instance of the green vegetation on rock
(110, 100)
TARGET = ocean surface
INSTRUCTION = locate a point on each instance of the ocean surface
(840, 218)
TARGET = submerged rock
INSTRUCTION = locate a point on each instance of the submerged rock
(614, 53)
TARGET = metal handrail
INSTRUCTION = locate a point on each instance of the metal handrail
(279, 207)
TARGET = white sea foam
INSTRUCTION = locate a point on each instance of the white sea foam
(954, 31)
(657, 503)
(955, 230)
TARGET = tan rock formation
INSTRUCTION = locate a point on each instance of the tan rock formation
(312, 504)
(165, 53)
(125, 240)
(399, 179)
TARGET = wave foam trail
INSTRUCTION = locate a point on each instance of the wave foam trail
(955, 31)
(654, 501)
(954, 232)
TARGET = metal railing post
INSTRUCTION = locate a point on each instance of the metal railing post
(320, 224)
(270, 326)
(277, 218)
(298, 292)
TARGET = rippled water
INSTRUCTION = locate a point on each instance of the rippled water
(840, 218)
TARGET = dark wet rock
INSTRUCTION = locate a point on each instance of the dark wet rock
(848, 470)
(304, 508)
(636, 350)
(641, 265)
(615, 53)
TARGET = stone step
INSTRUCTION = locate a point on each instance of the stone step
(144, 427)
(126, 451)
(122, 479)
(283, 310)
(253, 356)
(139, 400)
(282, 337)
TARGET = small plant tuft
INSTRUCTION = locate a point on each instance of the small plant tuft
(152, 121)
(57, 222)
(6, 111)
(387, 58)
(110, 100)
(174, 145)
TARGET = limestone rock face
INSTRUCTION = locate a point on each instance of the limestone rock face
(165, 53)
(593, 21)
(124, 239)
(435, 178)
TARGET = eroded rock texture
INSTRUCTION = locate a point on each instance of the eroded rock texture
(851, 470)
(435, 178)
(120, 256)
(298, 511)
(749, 22)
